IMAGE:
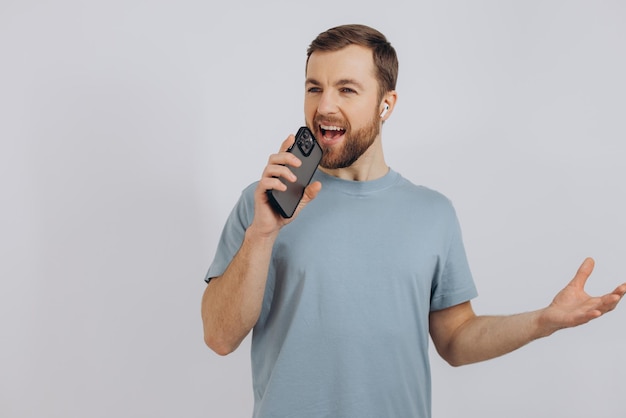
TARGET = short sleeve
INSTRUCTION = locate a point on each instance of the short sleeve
(233, 233)
(454, 283)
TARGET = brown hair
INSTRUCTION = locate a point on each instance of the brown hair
(385, 58)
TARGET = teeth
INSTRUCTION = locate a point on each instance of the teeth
(331, 128)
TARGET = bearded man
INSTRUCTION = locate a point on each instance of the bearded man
(343, 296)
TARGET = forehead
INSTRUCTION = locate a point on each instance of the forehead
(351, 62)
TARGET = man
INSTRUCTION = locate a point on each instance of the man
(342, 297)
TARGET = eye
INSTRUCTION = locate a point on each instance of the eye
(314, 90)
(347, 90)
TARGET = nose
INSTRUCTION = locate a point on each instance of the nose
(328, 104)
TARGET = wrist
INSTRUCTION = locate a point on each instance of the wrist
(261, 235)
(543, 325)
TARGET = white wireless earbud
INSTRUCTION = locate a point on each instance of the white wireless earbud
(385, 110)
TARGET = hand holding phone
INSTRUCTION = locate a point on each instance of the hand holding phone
(310, 153)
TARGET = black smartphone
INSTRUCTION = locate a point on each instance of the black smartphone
(310, 153)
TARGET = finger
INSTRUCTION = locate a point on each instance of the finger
(310, 192)
(272, 183)
(620, 290)
(583, 273)
(287, 143)
(279, 170)
(611, 300)
(283, 159)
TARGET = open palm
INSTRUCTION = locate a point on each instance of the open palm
(572, 306)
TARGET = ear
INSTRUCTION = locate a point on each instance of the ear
(387, 104)
(385, 110)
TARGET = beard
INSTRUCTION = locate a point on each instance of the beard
(353, 145)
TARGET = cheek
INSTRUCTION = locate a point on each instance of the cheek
(365, 115)
(360, 119)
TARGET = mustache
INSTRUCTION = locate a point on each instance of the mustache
(329, 120)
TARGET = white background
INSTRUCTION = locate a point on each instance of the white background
(129, 128)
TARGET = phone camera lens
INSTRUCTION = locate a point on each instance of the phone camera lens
(305, 143)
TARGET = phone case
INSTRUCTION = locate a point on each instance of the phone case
(309, 152)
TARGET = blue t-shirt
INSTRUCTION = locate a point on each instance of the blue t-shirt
(343, 330)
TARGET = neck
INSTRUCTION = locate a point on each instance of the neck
(370, 166)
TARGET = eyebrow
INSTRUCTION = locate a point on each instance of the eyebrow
(339, 83)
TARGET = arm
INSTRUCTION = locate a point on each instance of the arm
(461, 337)
(231, 303)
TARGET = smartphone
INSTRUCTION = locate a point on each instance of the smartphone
(310, 153)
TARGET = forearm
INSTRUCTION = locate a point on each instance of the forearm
(461, 337)
(486, 337)
(232, 302)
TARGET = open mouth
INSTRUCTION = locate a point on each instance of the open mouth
(331, 132)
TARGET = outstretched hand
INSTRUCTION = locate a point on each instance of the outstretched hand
(572, 306)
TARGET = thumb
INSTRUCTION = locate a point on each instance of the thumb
(310, 193)
(583, 273)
